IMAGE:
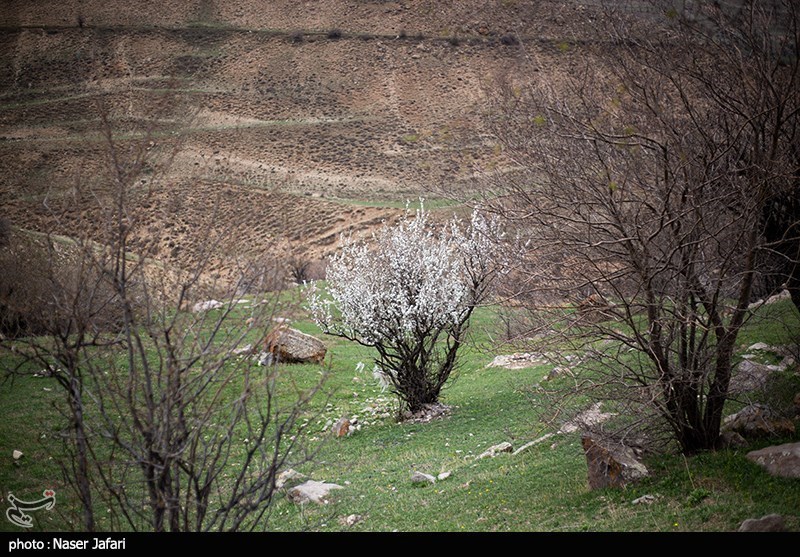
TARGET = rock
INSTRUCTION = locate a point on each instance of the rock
(493, 451)
(611, 464)
(292, 346)
(341, 428)
(207, 306)
(797, 403)
(732, 440)
(517, 361)
(350, 520)
(779, 460)
(312, 490)
(288, 476)
(644, 500)
(763, 346)
(768, 523)
(750, 376)
(16, 454)
(592, 416)
(246, 349)
(530, 444)
(443, 476)
(422, 478)
(427, 413)
(758, 421)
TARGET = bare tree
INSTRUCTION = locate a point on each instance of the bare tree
(172, 425)
(648, 183)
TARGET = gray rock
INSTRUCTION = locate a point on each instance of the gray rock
(732, 440)
(779, 460)
(292, 346)
(611, 464)
(207, 306)
(443, 476)
(422, 478)
(758, 421)
(644, 500)
(768, 523)
(312, 490)
(287, 477)
(750, 376)
(494, 450)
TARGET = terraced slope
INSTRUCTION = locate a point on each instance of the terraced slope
(285, 108)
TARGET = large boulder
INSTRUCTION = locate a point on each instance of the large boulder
(289, 345)
(758, 421)
(779, 460)
(611, 464)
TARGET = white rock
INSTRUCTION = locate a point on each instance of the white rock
(493, 451)
(645, 500)
(207, 305)
(16, 454)
(443, 476)
(312, 490)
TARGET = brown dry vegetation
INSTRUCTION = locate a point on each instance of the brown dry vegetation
(289, 116)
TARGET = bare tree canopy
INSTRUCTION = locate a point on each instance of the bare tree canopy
(661, 179)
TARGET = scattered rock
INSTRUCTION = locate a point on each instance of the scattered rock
(732, 440)
(16, 454)
(758, 421)
(517, 361)
(586, 419)
(422, 478)
(288, 476)
(750, 376)
(644, 500)
(494, 450)
(426, 414)
(312, 490)
(763, 346)
(207, 306)
(779, 460)
(611, 464)
(782, 295)
(530, 444)
(292, 346)
(768, 523)
(443, 476)
(341, 428)
(246, 349)
(350, 520)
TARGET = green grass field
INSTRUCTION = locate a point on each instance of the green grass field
(541, 489)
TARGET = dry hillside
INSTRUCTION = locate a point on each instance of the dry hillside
(298, 109)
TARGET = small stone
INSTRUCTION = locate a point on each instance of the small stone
(288, 476)
(768, 523)
(494, 450)
(16, 454)
(759, 346)
(313, 491)
(422, 478)
(443, 476)
(341, 428)
(644, 500)
(350, 520)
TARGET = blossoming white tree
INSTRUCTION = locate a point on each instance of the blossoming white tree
(410, 294)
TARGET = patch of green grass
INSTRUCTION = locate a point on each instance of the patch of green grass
(541, 489)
